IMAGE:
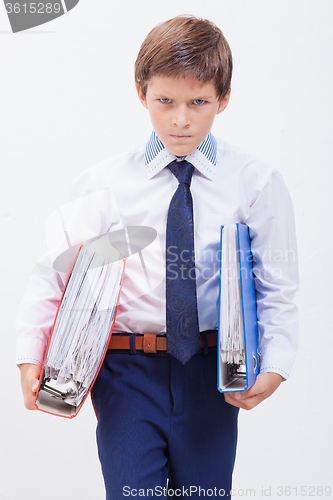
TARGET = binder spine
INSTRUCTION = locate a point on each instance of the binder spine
(249, 299)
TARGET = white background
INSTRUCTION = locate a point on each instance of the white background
(67, 101)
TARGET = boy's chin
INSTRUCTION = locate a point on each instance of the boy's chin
(181, 150)
(180, 145)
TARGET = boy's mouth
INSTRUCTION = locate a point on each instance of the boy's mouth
(180, 137)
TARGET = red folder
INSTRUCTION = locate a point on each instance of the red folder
(47, 400)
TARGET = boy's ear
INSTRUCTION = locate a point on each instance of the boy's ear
(224, 102)
(141, 96)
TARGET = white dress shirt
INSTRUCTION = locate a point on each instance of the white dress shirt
(134, 191)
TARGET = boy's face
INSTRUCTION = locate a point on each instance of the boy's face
(182, 111)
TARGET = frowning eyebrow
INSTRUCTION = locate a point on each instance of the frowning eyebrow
(164, 95)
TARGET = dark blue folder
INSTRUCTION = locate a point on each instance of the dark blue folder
(240, 377)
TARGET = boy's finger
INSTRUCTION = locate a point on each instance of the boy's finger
(30, 403)
(257, 389)
(250, 393)
(34, 385)
(239, 396)
(246, 404)
(29, 398)
(33, 382)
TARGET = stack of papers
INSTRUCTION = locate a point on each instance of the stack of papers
(231, 318)
(82, 328)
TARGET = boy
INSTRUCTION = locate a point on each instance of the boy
(160, 415)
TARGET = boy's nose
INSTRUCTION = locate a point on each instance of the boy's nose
(181, 117)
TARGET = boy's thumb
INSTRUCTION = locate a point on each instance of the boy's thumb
(34, 384)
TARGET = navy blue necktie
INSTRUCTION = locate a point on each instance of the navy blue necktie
(183, 337)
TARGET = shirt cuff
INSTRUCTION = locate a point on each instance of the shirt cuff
(30, 350)
(277, 361)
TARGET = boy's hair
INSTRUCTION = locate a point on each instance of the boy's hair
(186, 46)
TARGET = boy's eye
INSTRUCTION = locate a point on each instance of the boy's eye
(199, 102)
(165, 101)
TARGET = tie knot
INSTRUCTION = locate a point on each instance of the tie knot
(183, 170)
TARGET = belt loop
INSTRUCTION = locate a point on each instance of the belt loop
(132, 343)
(149, 343)
(204, 341)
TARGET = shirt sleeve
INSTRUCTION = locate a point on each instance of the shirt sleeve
(89, 213)
(37, 311)
(275, 266)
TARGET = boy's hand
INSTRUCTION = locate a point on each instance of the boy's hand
(29, 381)
(264, 386)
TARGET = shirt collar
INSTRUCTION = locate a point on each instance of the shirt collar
(157, 156)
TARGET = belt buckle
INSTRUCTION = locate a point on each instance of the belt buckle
(149, 343)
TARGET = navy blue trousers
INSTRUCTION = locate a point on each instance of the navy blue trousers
(159, 419)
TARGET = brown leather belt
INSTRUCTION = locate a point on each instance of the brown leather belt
(151, 343)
